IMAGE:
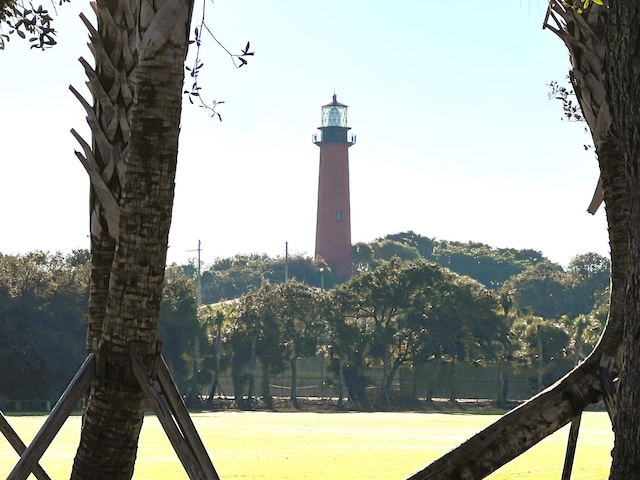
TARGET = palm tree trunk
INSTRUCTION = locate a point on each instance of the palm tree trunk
(238, 380)
(109, 118)
(623, 38)
(115, 406)
(453, 377)
(520, 429)
(414, 381)
(251, 392)
(504, 370)
(341, 384)
(266, 387)
(218, 348)
(540, 360)
(294, 382)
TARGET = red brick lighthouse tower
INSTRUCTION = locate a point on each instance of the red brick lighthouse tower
(333, 227)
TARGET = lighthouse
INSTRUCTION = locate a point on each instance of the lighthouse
(333, 226)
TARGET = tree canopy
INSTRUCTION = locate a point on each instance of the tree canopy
(402, 313)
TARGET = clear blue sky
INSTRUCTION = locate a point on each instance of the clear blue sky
(456, 137)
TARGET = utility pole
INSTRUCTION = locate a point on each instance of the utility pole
(198, 276)
(286, 262)
(196, 341)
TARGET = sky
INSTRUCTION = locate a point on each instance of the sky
(456, 137)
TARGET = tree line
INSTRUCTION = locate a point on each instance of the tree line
(412, 301)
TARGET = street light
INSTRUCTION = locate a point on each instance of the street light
(321, 278)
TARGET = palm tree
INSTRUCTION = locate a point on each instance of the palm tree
(297, 310)
(126, 291)
(111, 84)
(623, 36)
(584, 34)
(213, 318)
(509, 311)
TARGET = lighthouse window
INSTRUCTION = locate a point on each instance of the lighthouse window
(338, 216)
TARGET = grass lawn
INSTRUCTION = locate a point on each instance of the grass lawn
(350, 446)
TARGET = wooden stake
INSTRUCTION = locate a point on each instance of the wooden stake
(572, 443)
(65, 406)
(174, 427)
(19, 446)
(183, 419)
(607, 364)
(166, 402)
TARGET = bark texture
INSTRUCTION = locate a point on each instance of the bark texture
(115, 406)
(520, 429)
(623, 74)
(114, 50)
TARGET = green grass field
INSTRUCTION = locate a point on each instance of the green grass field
(277, 446)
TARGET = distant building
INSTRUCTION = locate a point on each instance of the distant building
(333, 227)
